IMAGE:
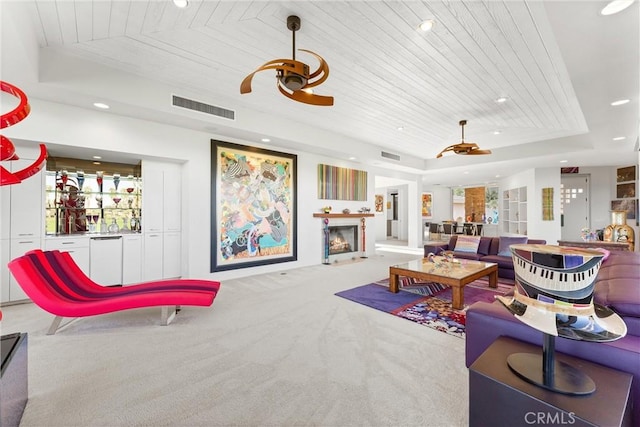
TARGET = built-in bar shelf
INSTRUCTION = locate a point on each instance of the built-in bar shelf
(342, 215)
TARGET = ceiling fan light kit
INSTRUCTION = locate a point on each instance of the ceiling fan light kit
(464, 148)
(293, 77)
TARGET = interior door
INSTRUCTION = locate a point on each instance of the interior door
(574, 205)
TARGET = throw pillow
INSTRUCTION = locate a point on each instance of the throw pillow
(467, 244)
(505, 242)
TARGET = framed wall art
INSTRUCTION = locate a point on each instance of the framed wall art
(624, 191)
(336, 183)
(628, 205)
(547, 204)
(379, 200)
(427, 205)
(626, 174)
(253, 196)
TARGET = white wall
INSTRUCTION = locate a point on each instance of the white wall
(551, 231)
(442, 210)
(65, 125)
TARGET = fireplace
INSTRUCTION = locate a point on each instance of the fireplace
(343, 239)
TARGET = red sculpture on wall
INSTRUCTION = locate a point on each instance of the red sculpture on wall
(7, 149)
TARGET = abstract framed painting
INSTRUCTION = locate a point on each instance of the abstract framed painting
(427, 205)
(254, 206)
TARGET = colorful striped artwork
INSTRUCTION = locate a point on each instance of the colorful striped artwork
(335, 183)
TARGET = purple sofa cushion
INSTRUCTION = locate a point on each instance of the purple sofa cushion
(502, 261)
(483, 247)
(467, 244)
(467, 255)
(507, 241)
(621, 295)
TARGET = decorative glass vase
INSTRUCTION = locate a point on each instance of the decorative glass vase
(618, 230)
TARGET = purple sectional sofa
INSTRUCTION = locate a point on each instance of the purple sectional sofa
(617, 287)
(488, 251)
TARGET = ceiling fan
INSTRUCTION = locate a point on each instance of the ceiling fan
(464, 147)
(293, 78)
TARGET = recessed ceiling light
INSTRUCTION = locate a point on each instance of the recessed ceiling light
(97, 157)
(466, 172)
(426, 25)
(352, 158)
(616, 6)
(501, 99)
(497, 176)
(564, 161)
(619, 102)
(400, 128)
(497, 132)
(265, 140)
(100, 105)
(181, 3)
(619, 138)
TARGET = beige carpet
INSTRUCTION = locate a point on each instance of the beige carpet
(277, 349)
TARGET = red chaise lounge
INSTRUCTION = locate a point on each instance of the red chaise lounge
(56, 284)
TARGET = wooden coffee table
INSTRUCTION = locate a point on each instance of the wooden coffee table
(453, 274)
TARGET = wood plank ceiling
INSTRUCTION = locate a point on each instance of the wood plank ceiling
(384, 73)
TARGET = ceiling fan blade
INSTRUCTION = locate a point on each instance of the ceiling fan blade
(323, 69)
(477, 151)
(307, 98)
(449, 148)
(276, 64)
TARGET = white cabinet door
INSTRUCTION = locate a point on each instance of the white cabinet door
(106, 260)
(172, 262)
(131, 259)
(78, 248)
(5, 257)
(5, 212)
(172, 205)
(152, 199)
(152, 259)
(18, 248)
(27, 198)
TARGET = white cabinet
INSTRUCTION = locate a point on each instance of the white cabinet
(5, 275)
(27, 198)
(106, 260)
(131, 259)
(162, 196)
(172, 203)
(162, 205)
(77, 246)
(152, 258)
(171, 255)
(5, 212)
(21, 220)
(18, 248)
(152, 199)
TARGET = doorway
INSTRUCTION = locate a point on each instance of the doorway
(574, 205)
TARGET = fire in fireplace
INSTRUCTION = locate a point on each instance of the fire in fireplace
(343, 239)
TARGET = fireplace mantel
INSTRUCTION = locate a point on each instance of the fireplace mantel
(342, 215)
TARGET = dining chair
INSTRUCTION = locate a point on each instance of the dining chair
(434, 230)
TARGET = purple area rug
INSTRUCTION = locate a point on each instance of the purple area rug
(427, 304)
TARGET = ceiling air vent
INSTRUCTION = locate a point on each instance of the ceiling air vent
(389, 155)
(203, 108)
